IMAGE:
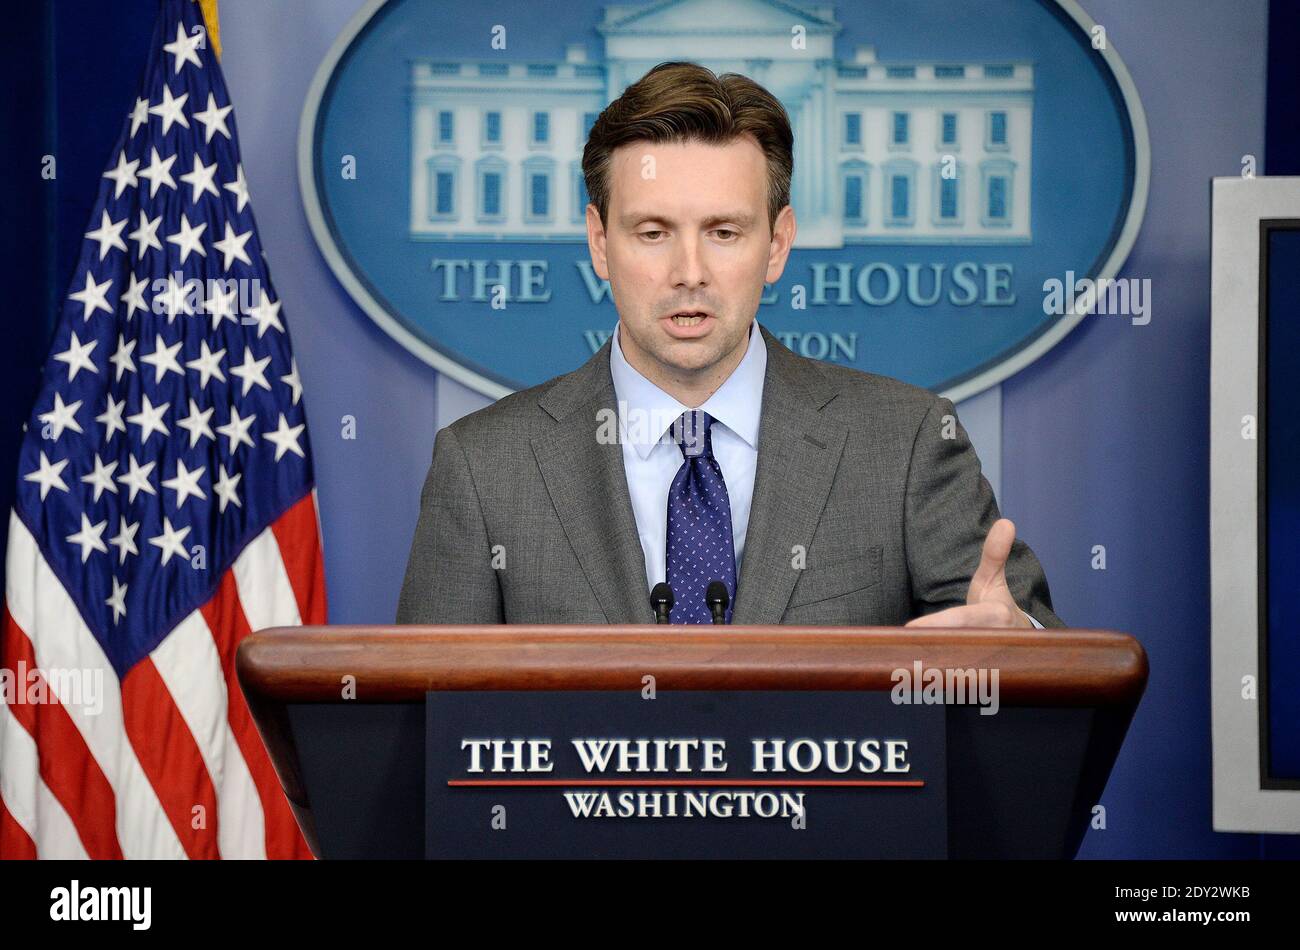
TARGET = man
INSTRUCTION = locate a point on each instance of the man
(694, 447)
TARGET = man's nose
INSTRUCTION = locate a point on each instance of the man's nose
(689, 266)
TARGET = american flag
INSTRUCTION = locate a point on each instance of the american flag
(165, 507)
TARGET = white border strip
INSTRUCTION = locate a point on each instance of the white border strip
(1238, 204)
(494, 390)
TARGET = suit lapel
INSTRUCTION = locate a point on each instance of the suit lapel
(587, 484)
(799, 450)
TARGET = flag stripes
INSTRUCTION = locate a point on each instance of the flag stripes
(178, 735)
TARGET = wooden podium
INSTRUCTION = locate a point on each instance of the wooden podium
(341, 710)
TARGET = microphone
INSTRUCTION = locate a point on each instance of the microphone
(717, 598)
(661, 599)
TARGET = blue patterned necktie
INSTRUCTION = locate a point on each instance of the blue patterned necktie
(700, 546)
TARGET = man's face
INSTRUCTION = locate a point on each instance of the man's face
(688, 232)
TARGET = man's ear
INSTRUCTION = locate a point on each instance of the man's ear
(783, 233)
(596, 243)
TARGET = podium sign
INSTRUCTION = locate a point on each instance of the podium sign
(687, 774)
(365, 767)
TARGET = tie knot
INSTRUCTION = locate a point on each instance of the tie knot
(691, 433)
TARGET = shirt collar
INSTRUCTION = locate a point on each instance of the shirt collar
(737, 404)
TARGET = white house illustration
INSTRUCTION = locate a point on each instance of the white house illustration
(888, 153)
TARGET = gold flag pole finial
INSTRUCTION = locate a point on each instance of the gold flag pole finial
(209, 8)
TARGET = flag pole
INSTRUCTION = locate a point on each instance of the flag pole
(209, 8)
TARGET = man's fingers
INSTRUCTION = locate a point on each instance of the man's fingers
(989, 614)
(993, 560)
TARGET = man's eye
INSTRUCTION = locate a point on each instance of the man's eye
(727, 234)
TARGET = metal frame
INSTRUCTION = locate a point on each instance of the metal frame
(1241, 800)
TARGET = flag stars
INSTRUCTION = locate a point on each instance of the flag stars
(252, 372)
(111, 417)
(146, 235)
(90, 537)
(221, 306)
(124, 540)
(123, 176)
(196, 423)
(137, 479)
(48, 476)
(208, 364)
(232, 246)
(108, 234)
(171, 541)
(185, 483)
(101, 478)
(121, 358)
(213, 119)
(189, 238)
(156, 238)
(265, 314)
(77, 356)
(133, 296)
(225, 488)
(285, 438)
(139, 116)
(93, 296)
(174, 299)
(200, 179)
(236, 430)
(61, 417)
(185, 48)
(292, 380)
(149, 419)
(163, 358)
(170, 111)
(238, 187)
(159, 173)
(117, 600)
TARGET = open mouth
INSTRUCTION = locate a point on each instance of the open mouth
(688, 318)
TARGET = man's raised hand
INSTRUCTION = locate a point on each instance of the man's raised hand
(988, 599)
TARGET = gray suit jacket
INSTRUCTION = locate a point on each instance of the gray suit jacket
(525, 515)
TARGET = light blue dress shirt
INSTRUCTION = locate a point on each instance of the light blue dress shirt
(651, 458)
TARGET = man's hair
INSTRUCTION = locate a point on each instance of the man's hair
(679, 102)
